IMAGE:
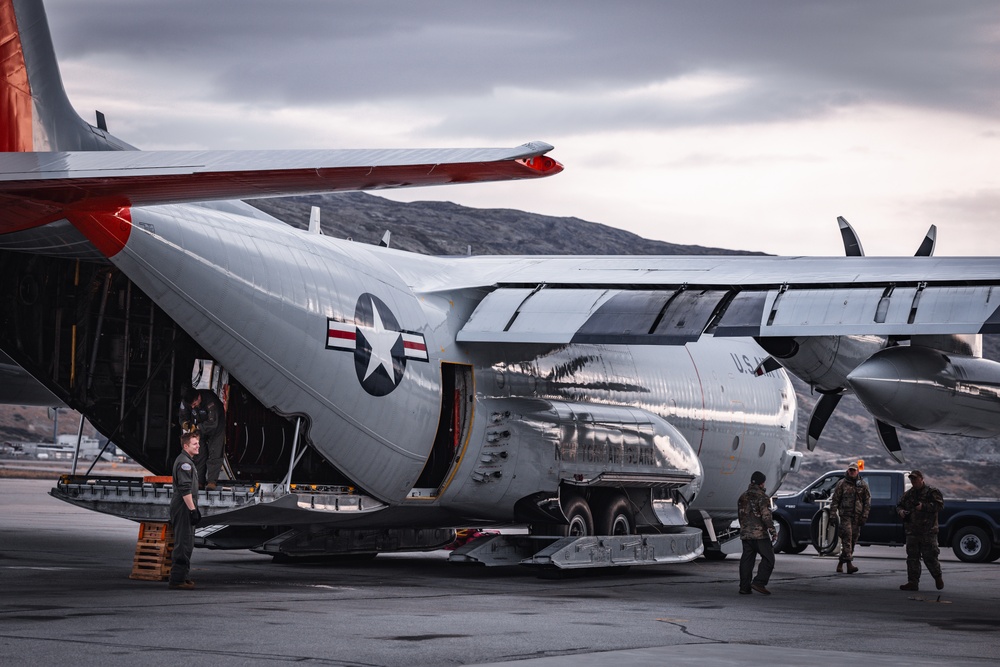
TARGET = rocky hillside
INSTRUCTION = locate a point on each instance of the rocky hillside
(962, 467)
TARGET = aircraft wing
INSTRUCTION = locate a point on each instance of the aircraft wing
(36, 187)
(666, 300)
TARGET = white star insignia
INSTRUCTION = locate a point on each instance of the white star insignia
(382, 341)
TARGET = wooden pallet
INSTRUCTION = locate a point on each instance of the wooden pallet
(153, 551)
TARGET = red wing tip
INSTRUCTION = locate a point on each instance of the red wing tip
(543, 164)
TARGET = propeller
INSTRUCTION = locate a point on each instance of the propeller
(828, 401)
(821, 413)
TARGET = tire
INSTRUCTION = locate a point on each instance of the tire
(824, 533)
(715, 554)
(784, 541)
(615, 517)
(581, 520)
(972, 545)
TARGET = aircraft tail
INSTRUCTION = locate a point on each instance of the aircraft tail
(35, 111)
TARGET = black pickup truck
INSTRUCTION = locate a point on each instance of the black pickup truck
(970, 527)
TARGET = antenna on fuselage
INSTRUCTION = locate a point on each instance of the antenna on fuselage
(314, 227)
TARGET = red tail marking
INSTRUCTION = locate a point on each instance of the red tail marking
(15, 92)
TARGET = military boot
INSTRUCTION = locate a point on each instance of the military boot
(850, 568)
(840, 567)
(909, 586)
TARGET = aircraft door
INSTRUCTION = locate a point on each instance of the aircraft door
(453, 427)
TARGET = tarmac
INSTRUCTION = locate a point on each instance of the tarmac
(66, 597)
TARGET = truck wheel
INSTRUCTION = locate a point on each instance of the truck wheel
(972, 545)
(784, 541)
(824, 533)
(581, 521)
(615, 517)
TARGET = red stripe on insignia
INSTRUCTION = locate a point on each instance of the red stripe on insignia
(341, 335)
(347, 335)
(414, 346)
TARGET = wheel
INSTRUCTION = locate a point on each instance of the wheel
(581, 521)
(615, 517)
(784, 540)
(825, 537)
(972, 545)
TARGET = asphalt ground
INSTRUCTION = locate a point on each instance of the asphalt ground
(66, 598)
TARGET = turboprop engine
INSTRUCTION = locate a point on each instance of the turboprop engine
(926, 389)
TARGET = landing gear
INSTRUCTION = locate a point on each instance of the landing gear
(614, 516)
(581, 520)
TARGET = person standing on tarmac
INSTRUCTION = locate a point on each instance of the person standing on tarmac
(202, 409)
(918, 508)
(851, 501)
(757, 533)
(184, 512)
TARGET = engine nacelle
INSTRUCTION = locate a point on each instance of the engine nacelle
(823, 361)
(924, 389)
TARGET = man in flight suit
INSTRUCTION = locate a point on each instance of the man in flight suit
(918, 508)
(757, 533)
(202, 409)
(184, 513)
(852, 501)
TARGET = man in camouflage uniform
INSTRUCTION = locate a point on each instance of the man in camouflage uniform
(918, 508)
(757, 533)
(851, 501)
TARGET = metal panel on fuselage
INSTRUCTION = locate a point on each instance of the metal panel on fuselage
(706, 390)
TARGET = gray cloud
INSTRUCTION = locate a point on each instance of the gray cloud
(804, 58)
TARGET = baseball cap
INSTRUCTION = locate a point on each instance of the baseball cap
(853, 466)
(915, 473)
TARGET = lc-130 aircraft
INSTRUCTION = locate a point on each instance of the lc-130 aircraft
(387, 391)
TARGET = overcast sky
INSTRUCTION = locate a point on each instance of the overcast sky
(736, 124)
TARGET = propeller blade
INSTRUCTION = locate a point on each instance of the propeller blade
(766, 366)
(926, 248)
(821, 412)
(887, 434)
(852, 244)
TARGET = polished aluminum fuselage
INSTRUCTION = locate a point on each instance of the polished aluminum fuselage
(262, 297)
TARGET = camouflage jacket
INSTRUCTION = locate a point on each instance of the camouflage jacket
(754, 509)
(852, 500)
(925, 520)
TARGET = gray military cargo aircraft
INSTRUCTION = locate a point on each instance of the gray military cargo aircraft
(377, 390)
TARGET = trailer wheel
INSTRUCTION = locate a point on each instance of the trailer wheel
(972, 545)
(581, 521)
(615, 517)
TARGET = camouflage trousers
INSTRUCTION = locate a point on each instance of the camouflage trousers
(849, 531)
(925, 547)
